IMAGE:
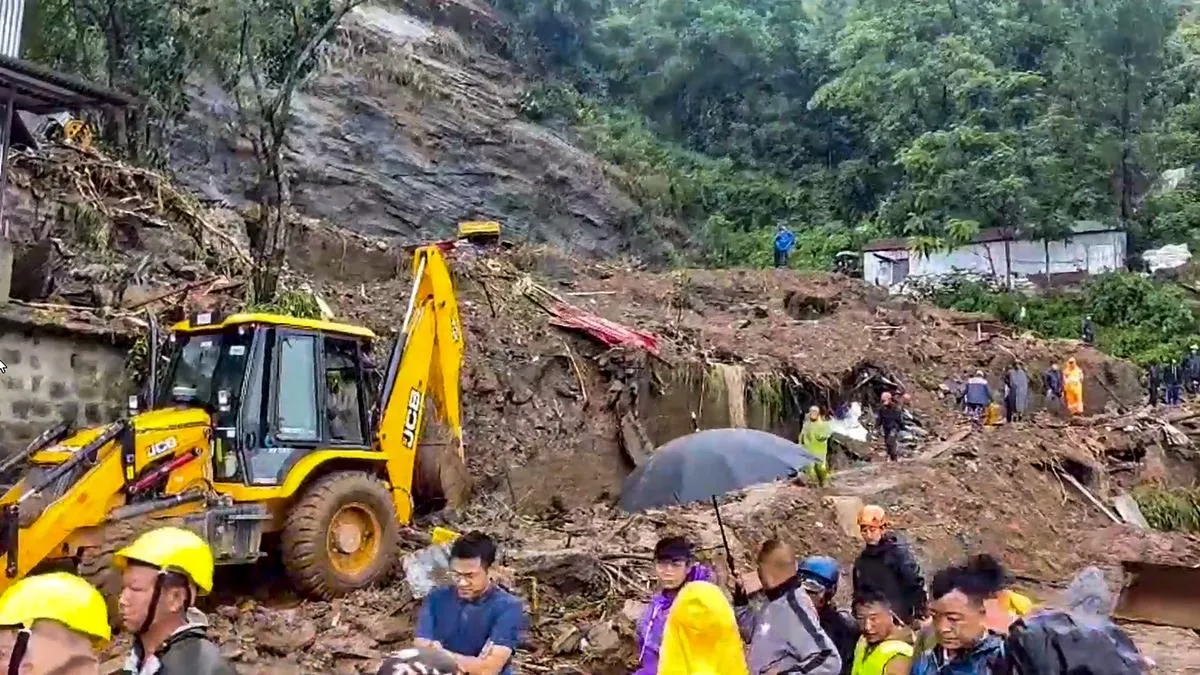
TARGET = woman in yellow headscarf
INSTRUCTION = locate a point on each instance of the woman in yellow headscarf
(701, 637)
(1073, 387)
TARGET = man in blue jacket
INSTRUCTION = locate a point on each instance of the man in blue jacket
(784, 242)
(964, 646)
(475, 622)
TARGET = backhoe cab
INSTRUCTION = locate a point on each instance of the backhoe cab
(264, 428)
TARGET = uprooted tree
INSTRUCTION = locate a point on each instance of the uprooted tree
(262, 52)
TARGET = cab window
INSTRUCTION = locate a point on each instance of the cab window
(343, 392)
(296, 392)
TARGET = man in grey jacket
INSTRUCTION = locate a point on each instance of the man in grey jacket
(779, 621)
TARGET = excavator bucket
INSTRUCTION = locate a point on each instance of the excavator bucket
(480, 232)
(1166, 595)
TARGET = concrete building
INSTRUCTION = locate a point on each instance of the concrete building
(1093, 248)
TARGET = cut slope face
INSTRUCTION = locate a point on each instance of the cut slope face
(407, 130)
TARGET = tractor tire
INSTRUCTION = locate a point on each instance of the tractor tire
(341, 535)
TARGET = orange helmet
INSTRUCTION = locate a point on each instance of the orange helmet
(873, 516)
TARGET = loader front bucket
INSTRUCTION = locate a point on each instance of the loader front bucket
(1166, 595)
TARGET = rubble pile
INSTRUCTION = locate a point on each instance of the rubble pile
(556, 415)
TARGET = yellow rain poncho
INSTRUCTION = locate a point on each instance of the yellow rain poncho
(701, 637)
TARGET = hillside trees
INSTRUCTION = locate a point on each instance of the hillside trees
(259, 51)
(926, 119)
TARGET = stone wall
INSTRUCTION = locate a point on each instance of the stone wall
(54, 372)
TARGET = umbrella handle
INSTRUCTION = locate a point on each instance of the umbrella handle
(724, 540)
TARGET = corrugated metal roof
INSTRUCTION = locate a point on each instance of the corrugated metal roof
(990, 235)
(40, 90)
(12, 15)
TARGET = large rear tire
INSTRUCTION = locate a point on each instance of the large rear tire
(341, 535)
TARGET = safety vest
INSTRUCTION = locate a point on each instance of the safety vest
(877, 660)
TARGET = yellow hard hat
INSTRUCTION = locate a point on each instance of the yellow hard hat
(57, 596)
(172, 549)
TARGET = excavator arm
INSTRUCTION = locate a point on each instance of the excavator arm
(425, 363)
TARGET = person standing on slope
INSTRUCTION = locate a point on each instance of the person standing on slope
(675, 565)
(783, 244)
(814, 436)
(1073, 387)
(887, 565)
(890, 421)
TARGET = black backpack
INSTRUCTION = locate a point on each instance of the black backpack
(1058, 643)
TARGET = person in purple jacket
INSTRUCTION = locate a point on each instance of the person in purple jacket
(674, 564)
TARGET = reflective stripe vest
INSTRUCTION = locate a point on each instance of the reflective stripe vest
(877, 660)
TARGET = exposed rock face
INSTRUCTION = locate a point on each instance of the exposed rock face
(406, 131)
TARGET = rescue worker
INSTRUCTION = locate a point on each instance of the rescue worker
(883, 648)
(891, 422)
(1173, 383)
(1191, 371)
(783, 243)
(964, 645)
(53, 623)
(701, 635)
(1073, 387)
(163, 572)
(675, 566)
(783, 628)
(1052, 383)
(1153, 383)
(887, 565)
(977, 396)
(819, 577)
(814, 436)
(1016, 393)
(1089, 331)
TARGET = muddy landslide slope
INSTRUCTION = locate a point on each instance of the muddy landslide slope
(409, 128)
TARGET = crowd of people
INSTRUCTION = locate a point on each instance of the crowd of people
(783, 618)
(1166, 381)
(1061, 387)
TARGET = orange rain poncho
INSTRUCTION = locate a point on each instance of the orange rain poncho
(701, 637)
(1073, 387)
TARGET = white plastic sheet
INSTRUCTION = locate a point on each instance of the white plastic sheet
(849, 425)
(426, 569)
(1167, 257)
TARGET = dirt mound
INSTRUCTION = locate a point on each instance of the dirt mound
(556, 417)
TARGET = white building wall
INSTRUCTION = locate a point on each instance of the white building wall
(1091, 252)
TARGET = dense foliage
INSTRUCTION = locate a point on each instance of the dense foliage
(1135, 317)
(924, 119)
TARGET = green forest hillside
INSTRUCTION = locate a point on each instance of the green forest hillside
(925, 119)
(929, 120)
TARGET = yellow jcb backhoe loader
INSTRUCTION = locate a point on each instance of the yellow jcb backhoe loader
(265, 432)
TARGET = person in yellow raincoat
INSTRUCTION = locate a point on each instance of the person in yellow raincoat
(814, 436)
(1073, 387)
(701, 637)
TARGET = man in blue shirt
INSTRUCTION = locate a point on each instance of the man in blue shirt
(475, 621)
(784, 241)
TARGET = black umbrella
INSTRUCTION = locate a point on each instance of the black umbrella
(707, 464)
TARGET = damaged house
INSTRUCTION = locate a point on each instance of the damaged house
(1093, 248)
